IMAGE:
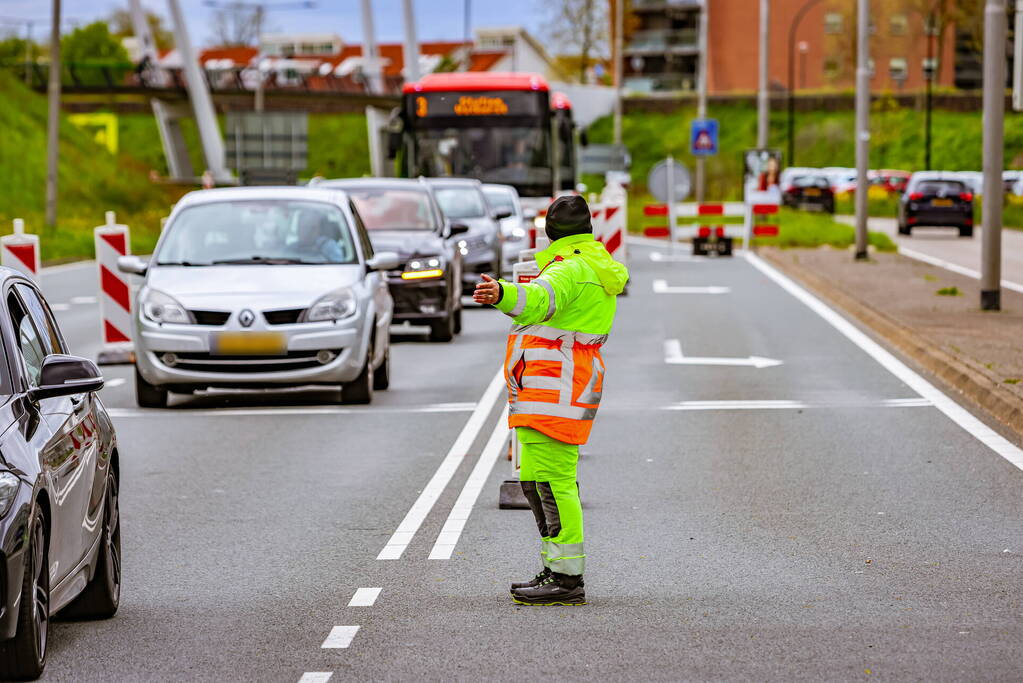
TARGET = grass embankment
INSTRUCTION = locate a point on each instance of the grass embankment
(91, 181)
(806, 229)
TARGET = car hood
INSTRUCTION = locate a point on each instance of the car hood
(407, 243)
(258, 286)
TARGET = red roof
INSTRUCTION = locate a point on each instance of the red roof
(484, 61)
(477, 81)
(559, 100)
(393, 53)
(239, 55)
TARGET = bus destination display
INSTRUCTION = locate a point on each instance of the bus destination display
(490, 104)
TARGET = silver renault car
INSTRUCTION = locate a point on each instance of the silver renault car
(262, 287)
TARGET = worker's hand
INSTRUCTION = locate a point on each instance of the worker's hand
(488, 291)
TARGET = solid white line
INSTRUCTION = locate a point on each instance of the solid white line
(340, 637)
(448, 537)
(662, 287)
(316, 677)
(954, 267)
(364, 597)
(297, 410)
(403, 535)
(953, 410)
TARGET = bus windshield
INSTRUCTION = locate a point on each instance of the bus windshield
(513, 155)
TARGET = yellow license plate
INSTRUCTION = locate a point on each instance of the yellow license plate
(248, 344)
(941, 202)
(812, 193)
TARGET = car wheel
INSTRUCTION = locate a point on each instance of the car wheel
(966, 231)
(360, 391)
(443, 330)
(458, 319)
(148, 395)
(382, 375)
(24, 656)
(905, 229)
(101, 597)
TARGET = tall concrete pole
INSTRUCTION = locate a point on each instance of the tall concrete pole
(994, 133)
(862, 123)
(370, 55)
(618, 68)
(199, 94)
(411, 43)
(53, 118)
(701, 100)
(763, 103)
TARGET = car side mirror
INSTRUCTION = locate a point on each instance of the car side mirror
(457, 229)
(501, 215)
(383, 260)
(132, 265)
(63, 375)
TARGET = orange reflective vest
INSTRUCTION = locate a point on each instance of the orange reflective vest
(555, 379)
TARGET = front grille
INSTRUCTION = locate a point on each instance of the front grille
(284, 316)
(210, 317)
(206, 362)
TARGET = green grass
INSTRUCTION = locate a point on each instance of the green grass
(91, 181)
(808, 230)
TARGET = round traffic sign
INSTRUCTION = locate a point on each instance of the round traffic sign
(657, 181)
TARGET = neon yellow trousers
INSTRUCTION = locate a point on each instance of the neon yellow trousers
(548, 480)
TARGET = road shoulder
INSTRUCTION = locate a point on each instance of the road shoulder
(976, 354)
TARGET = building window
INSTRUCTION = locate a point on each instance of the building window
(898, 24)
(833, 23)
(929, 66)
(898, 68)
(832, 67)
(870, 67)
(931, 25)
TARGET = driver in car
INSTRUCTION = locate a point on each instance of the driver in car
(312, 240)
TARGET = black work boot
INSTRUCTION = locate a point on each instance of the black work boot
(556, 589)
(535, 581)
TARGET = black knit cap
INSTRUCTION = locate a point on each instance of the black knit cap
(568, 215)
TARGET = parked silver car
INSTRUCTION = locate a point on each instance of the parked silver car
(262, 287)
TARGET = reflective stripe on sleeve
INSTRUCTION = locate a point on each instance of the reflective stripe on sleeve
(552, 305)
(520, 301)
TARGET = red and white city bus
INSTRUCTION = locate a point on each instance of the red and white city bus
(504, 128)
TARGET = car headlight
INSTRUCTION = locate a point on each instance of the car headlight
(540, 222)
(423, 268)
(163, 308)
(336, 305)
(9, 485)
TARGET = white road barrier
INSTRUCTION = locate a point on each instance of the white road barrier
(20, 250)
(112, 241)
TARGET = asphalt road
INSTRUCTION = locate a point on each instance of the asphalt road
(824, 518)
(946, 245)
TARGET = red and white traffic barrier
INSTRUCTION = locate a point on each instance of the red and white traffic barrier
(20, 250)
(112, 242)
(717, 238)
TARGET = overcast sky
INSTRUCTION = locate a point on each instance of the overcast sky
(436, 19)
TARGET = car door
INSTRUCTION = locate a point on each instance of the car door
(69, 452)
(377, 283)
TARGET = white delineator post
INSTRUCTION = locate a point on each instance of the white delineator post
(20, 250)
(112, 242)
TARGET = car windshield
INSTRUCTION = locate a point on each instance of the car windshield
(501, 200)
(390, 209)
(810, 181)
(461, 202)
(258, 232)
(941, 187)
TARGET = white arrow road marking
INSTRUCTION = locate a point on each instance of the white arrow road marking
(316, 677)
(662, 287)
(657, 257)
(364, 597)
(340, 637)
(83, 299)
(673, 356)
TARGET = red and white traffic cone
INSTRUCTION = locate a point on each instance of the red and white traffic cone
(20, 251)
(112, 242)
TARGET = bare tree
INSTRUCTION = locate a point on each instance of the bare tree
(238, 24)
(581, 25)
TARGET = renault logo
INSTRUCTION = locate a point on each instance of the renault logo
(246, 318)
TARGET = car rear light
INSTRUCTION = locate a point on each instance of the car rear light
(910, 219)
(916, 196)
(966, 196)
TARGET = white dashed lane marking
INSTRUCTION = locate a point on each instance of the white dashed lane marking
(340, 637)
(316, 677)
(364, 597)
(83, 299)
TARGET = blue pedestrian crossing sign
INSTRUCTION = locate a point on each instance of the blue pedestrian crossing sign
(704, 137)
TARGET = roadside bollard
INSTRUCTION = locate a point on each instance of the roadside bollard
(20, 250)
(115, 293)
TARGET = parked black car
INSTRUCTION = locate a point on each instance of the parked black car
(810, 192)
(402, 216)
(482, 247)
(60, 538)
(934, 200)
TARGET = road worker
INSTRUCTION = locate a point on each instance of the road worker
(555, 374)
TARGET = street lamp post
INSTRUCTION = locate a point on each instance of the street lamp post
(929, 74)
(793, 27)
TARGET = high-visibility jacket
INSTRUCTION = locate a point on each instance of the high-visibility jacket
(553, 367)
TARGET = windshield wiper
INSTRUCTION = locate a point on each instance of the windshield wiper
(180, 263)
(259, 261)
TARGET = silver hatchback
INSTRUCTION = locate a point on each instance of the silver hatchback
(262, 287)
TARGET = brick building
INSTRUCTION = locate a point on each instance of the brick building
(661, 46)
